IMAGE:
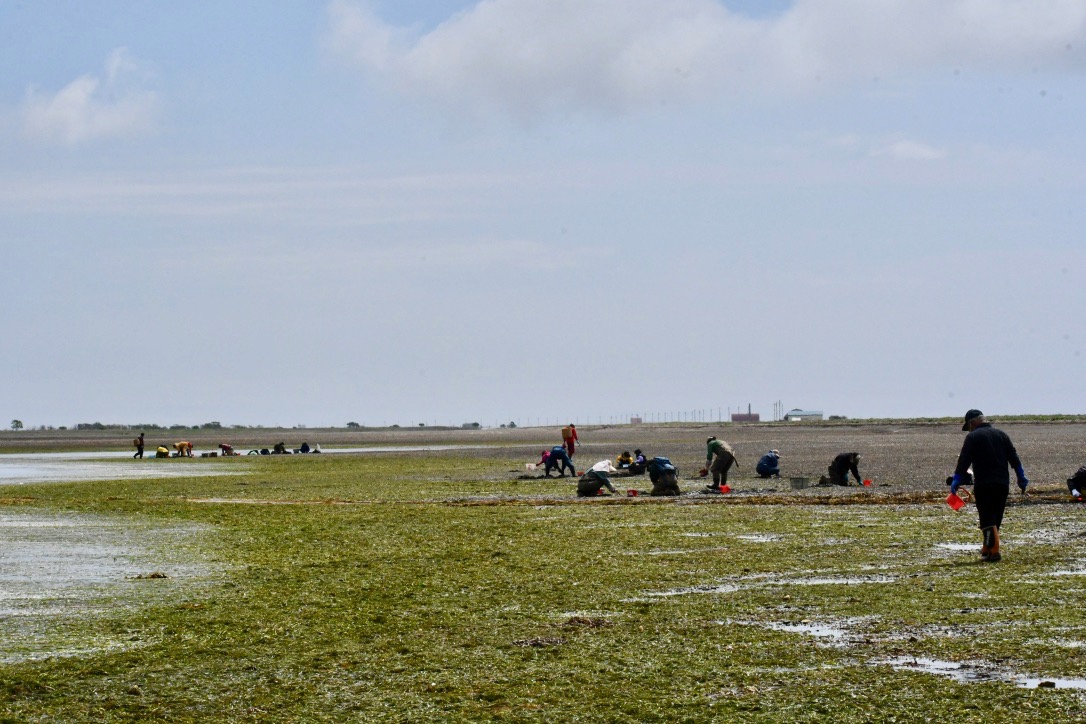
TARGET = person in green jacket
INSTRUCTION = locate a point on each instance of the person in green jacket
(719, 457)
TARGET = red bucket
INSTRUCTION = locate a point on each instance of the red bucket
(631, 493)
(954, 501)
(867, 483)
(725, 489)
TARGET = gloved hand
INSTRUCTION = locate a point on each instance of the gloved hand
(955, 484)
(1022, 483)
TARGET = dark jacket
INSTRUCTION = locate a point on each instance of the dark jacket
(770, 464)
(844, 463)
(991, 454)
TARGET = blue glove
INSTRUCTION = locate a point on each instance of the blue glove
(1023, 481)
(955, 484)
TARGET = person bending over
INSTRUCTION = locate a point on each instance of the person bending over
(559, 460)
(839, 469)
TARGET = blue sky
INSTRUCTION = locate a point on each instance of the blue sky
(289, 213)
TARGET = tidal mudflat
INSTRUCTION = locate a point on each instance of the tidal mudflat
(440, 585)
(56, 567)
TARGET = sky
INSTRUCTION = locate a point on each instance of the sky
(291, 213)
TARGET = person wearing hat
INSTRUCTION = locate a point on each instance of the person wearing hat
(769, 465)
(842, 465)
(596, 479)
(991, 453)
(719, 457)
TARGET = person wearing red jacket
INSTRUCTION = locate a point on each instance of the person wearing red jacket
(569, 438)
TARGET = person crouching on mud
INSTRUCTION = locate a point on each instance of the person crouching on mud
(719, 457)
(839, 469)
(991, 453)
(595, 479)
(769, 466)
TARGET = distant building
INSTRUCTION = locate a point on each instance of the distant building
(636, 420)
(803, 415)
(747, 416)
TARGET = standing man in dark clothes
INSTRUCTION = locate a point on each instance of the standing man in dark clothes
(138, 442)
(839, 469)
(991, 453)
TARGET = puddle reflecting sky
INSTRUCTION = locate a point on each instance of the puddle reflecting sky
(62, 467)
(978, 671)
(25, 471)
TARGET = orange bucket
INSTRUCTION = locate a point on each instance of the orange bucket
(954, 501)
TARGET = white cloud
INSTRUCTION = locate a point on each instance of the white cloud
(907, 150)
(91, 107)
(533, 56)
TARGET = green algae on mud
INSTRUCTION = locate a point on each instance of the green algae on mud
(416, 598)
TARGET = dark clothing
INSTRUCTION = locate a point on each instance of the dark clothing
(841, 466)
(559, 459)
(769, 466)
(991, 501)
(666, 484)
(591, 482)
(719, 457)
(664, 477)
(139, 447)
(1077, 482)
(991, 454)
